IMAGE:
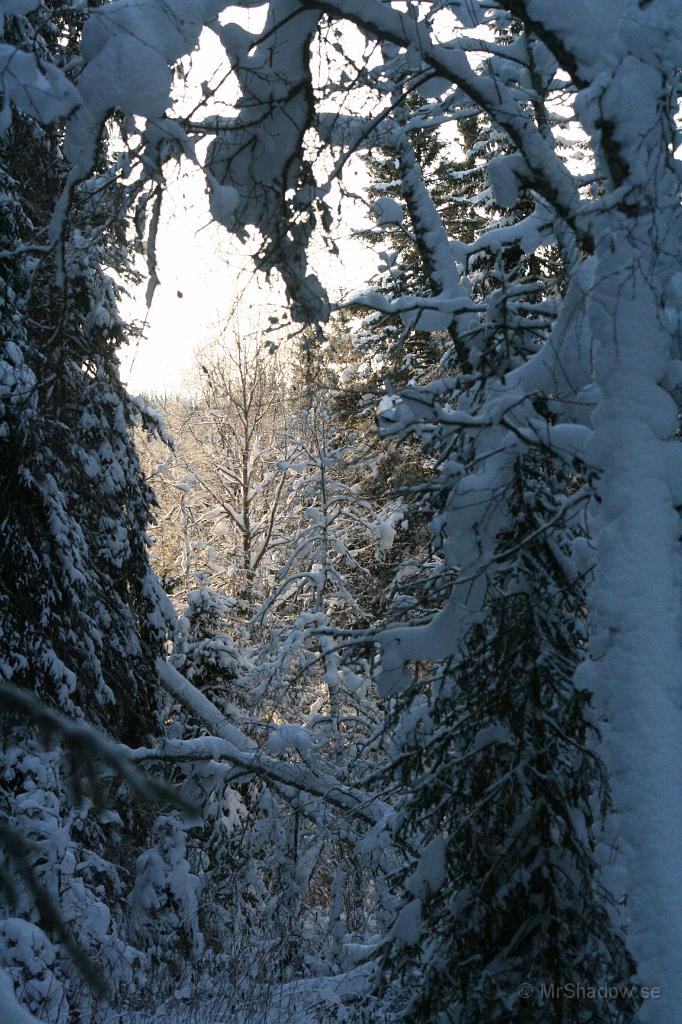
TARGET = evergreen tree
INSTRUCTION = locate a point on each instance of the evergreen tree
(163, 900)
(506, 797)
(82, 615)
(203, 651)
(500, 845)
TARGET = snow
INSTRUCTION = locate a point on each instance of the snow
(605, 369)
(224, 201)
(407, 925)
(41, 92)
(163, 899)
(29, 958)
(506, 175)
(387, 211)
(429, 874)
(13, 1012)
(195, 701)
(583, 27)
(290, 737)
(230, 744)
(15, 7)
(469, 15)
(274, 113)
(387, 533)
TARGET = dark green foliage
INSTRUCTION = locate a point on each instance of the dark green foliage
(500, 769)
(82, 617)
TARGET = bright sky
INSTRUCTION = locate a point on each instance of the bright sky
(204, 273)
(204, 276)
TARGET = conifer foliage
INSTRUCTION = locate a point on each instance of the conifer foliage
(494, 737)
(82, 614)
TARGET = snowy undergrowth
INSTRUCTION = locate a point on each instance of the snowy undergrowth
(227, 998)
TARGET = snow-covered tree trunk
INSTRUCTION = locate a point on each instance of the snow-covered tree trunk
(632, 329)
(636, 601)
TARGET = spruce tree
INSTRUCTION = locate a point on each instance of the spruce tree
(504, 795)
(82, 615)
(504, 914)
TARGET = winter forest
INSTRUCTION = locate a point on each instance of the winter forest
(343, 683)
